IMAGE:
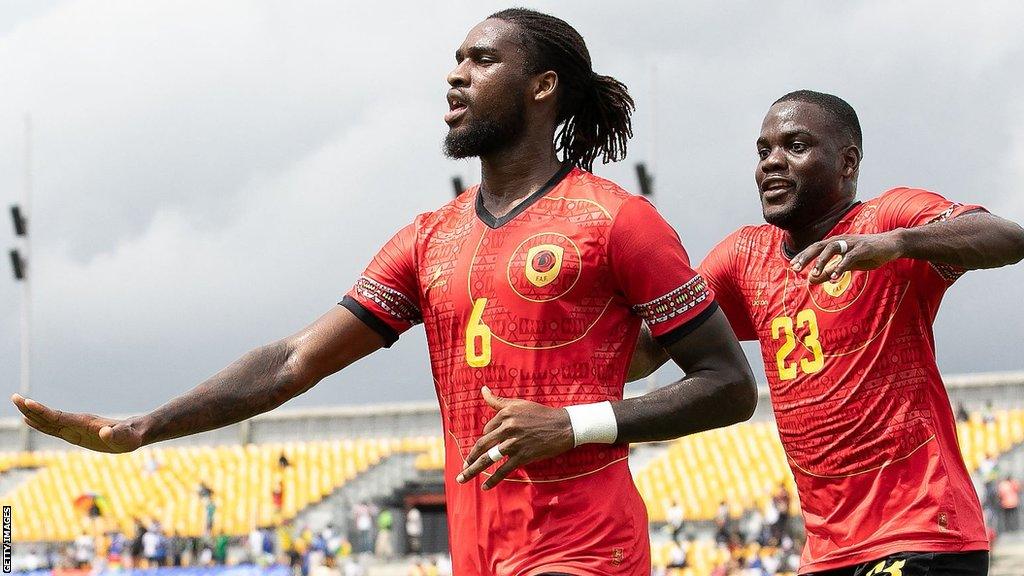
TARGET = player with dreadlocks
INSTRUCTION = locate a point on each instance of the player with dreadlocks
(531, 287)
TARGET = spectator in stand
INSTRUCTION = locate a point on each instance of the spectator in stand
(754, 526)
(988, 470)
(781, 502)
(674, 517)
(364, 526)
(286, 545)
(414, 530)
(193, 549)
(211, 511)
(771, 520)
(135, 549)
(269, 550)
(277, 497)
(84, 551)
(987, 415)
(1009, 501)
(385, 548)
(154, 546)
(205, 556)
(116, 550)
(723, 523)
(317, 550)
(175, 549)
(254, 545)
(220, 548)
(961, 412)
(205, 493)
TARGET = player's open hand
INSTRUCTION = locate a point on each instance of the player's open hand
(523, 432)
(834, 256)
(85, 430)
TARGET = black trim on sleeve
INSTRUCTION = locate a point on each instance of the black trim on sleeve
(376, 324)
(494, 222)
(671, 337)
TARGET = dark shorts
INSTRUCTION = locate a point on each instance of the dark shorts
(918, 564)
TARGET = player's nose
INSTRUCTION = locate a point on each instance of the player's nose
(774, 161)
(458, 77)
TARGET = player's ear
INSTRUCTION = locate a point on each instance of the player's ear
(851, 161)
(544, 86)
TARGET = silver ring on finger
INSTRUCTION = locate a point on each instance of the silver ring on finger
(843, 246)
(495, 454)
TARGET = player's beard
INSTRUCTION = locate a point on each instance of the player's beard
(809, 203)
(484, 136)
(790, 217)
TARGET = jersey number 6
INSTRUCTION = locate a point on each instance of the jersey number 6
(478, 337)
(782, 327)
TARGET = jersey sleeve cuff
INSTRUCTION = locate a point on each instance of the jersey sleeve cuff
(386, 332)
(678, 333)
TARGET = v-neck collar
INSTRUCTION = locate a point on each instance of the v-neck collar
(493, 221)
(850, 212)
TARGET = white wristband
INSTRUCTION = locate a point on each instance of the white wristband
(593, 423)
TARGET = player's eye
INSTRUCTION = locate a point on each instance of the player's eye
(798, 147)
(763, 153)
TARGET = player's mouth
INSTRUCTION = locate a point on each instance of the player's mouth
(456, 108)
(776, 187)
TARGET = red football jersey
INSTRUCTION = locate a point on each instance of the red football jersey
(861, 409)
(543, 304)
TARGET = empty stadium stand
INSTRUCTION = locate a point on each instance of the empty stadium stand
(328, 448)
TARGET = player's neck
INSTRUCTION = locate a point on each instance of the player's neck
(797, 240)
(509, 176)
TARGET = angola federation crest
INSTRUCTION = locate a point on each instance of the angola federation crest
(543, 263)
(544, 267)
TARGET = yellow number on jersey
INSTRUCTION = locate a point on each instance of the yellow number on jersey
(808, 318)
(895, 569)
(782, 327)
(787, 371)
(478, 332)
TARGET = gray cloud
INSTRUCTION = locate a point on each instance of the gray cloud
(210, 177)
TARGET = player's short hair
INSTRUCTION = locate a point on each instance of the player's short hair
(593, 110)
(839, 109)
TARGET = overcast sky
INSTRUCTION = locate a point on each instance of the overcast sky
(211, 176)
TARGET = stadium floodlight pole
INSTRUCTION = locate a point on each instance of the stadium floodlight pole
(21, 262)
(646, 181)
(457, 185)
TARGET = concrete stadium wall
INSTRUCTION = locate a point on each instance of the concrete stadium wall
(1004, 390)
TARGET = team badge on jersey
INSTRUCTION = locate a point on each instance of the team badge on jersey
(544, 267)
(543, 263)
(836, 289)
(838, 294)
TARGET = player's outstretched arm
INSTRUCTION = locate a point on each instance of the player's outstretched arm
(259, 381)
(718, 390)
(970, 241)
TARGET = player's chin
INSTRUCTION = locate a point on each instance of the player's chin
(781, 216)
(459, 144)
